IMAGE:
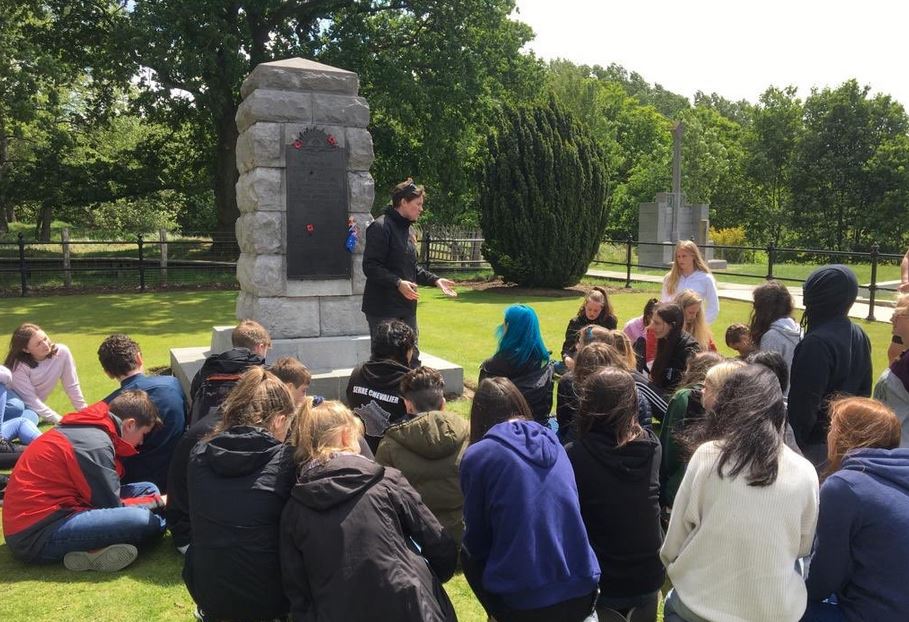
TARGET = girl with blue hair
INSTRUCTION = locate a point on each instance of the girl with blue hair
(523, 358)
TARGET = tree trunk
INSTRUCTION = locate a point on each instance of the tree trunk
(226, 184)
(45, 217)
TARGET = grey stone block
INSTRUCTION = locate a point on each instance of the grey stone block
(260, 145)
(284, 318)
(340, 110)
(362, 194)
(300, 74)
(358, 279)
(185, 363)
(342, 316)
(323, 353)
(261, 275)
(261, 189)
(261, 233)
(274, 106)
(328, 287)
(221, 339)
(360, 150)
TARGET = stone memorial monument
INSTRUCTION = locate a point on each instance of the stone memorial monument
(304, 155)
(671, 218)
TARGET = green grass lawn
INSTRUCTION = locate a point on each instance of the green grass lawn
(460, 329)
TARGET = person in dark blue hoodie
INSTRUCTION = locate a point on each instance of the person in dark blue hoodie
(525, 551)
(863, 527)
(833, 357)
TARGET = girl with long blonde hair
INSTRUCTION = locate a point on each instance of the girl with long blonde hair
(355, 527)
(690, 271)
(692, 305)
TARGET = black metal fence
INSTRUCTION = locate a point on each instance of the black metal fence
(788, 265)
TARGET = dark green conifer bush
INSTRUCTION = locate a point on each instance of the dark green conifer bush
(543, 197)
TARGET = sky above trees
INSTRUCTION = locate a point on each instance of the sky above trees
(735, 49)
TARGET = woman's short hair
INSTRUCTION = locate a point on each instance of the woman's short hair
(859, 423)
(393, 340)
(406, 191)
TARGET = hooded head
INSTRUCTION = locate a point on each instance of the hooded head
(829, 293)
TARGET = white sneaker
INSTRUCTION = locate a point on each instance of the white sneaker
(109, 559)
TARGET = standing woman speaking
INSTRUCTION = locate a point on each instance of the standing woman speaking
(390, 263)
(690, 271)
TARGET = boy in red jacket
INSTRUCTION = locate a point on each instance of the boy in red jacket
(64, 499)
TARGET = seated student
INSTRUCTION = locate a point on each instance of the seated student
(616, 465)
(64, 499)
(521, 512)
(16, 421)
(594, 310)
(636, 326)
(427, 447)
(775, 362)
(377, 381)
(250, 342)
(37, 364)
(738, 338)
(592, 358)
(744, 513)
(653, 398)
(294, 375)
(357, 543)
(641, 336)
(771, 324)
(11, 405)
(685, 407)
(121, 360)
(674, 347)
(240, 478)
(899, 332)
(892, 389)
(696, 325)
(250, 346)
(523, 358)
(863, 527)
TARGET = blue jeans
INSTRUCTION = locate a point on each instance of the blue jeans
(95, 529)
(12, 406)
(20, 427)
(823, 612)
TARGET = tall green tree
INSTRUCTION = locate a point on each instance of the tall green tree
(543, 197)
(836, 182)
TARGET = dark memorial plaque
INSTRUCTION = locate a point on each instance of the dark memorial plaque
(316, 207)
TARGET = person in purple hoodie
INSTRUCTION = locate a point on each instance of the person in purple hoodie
(858, 572)
(525, 551)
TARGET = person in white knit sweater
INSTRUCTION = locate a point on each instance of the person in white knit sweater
(744, 514)
(37, 364)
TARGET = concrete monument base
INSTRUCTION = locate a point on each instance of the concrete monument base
(330, 359)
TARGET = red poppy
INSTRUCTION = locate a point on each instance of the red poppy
(310, 229)
(298, 143)
(332, 140)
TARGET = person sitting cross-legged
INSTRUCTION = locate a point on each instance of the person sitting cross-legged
(64, 499)
(121, 360)
(427, 447)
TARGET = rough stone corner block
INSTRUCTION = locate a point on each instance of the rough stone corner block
(260, 145)
(261, 233)
(300, 74)
(262, 190)
(261, 275)
(274, 106)
(285, 318)
(342, 316)
(340, 110)
(360, 149)
(362, 194)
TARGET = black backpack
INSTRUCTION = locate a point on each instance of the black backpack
(210, 395)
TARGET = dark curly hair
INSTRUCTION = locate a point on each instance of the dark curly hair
(393, 340)
(772, 301)
(119, 355)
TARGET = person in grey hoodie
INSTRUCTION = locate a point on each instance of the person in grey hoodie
(892, 389)
(833, 358)
(772, 326)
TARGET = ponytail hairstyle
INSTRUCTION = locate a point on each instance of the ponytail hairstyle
(406, 191)
(258, 398)
(609, 402)
(859, 423)
(19, 342)
(599, 296)
(671, 314)
(697, 327)
(675, 273)
(318, 432)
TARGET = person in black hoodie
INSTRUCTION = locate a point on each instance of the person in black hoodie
(834, 357)
(616, 465)
(390, 264)
(357, 543)
(596, 310)
(239, 480)
(378, 380)
(250, 342)
(674, 347)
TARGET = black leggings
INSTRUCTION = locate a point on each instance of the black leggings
(574, 610)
